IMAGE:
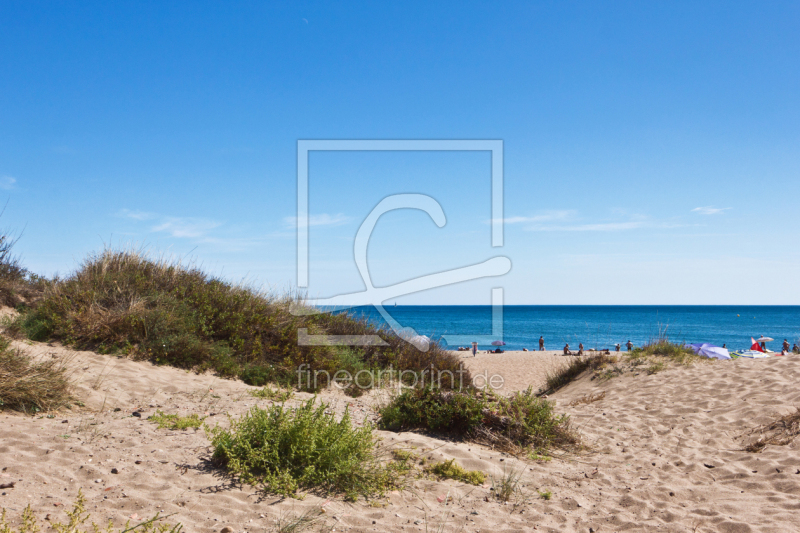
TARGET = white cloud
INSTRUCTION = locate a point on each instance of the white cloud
(709, 210)
(602, 226)
(323, 219)
(7, 182)
(136, 215)
(546, 216)
(191, 228)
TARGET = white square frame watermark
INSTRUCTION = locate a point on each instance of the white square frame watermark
(492, 267)
(304, 146)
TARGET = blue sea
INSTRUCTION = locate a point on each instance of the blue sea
(600, 326)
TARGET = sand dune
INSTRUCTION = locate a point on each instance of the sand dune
(665, 455)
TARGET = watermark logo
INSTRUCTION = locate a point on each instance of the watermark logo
(376, 296)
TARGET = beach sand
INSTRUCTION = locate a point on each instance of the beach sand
(518, 370)
(665, 454)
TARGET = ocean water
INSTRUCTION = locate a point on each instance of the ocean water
(602, 326)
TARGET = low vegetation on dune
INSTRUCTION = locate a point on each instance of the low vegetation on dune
(284, 450)
(29, 386)
(574, 369)
(651, 358)
(521, 422)
(125, 302)
(452, 470)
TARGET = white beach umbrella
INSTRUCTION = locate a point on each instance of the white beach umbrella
(765, 339)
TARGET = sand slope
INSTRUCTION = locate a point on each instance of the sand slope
(665, 455)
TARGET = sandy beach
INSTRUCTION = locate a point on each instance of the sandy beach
(665, 454)
(518, 370)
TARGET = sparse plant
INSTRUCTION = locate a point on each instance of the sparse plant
(545, 495)
(176, 421)
(78, 517)
(299, 523)
(507, 486)
(404, 455)
(452, 470)
(276, 395)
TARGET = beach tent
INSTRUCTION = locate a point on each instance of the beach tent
(711, 351)
(755, 347)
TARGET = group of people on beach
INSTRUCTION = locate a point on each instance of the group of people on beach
(566, 350)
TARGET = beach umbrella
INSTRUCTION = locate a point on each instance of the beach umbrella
(765, 339)
(498, 343)
(711, 351)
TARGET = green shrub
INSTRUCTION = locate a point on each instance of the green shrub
(284, 450)
(434, 410)
(176, 421)
(451, 470)
(521, 421)
(125, 302)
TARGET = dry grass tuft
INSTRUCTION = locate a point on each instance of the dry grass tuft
(588, 398)
(779, 432)
(576, 367)
(30, 386)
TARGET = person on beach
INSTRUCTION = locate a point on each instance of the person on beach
(541, 343)
(566, 349)
(580, 348)
(629, 345)
(616, 346)
(785, 345)
(795, 348)
(474, 349)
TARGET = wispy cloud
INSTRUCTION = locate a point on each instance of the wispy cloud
(546, 216)
(191, 228)
(709, 210)
(137, 215)
(323, 219)
(180, 227)
(7, 182)
(601, 226)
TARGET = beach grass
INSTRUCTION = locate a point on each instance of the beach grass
(29, 386)
(568, 373)
(284, 450)
(125, 302)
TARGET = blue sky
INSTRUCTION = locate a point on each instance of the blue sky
(651, 150)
